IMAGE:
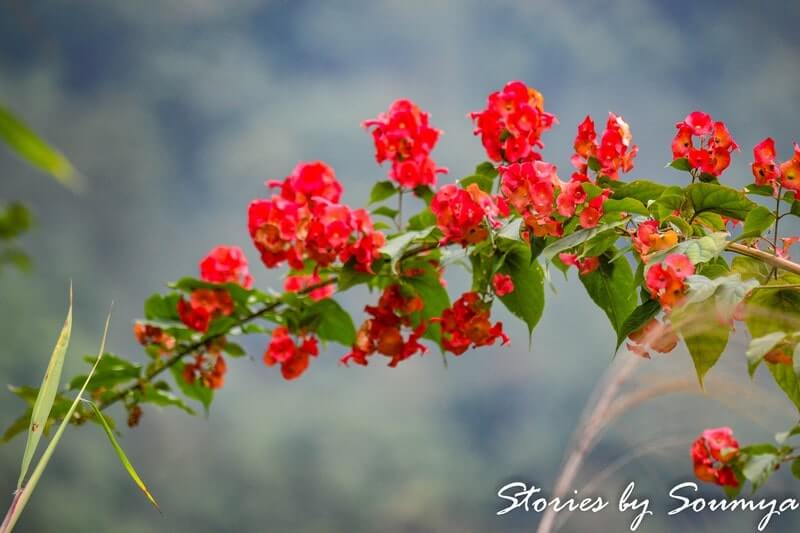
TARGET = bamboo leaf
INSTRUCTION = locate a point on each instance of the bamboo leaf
(24, 494)
(123, 458)
(47, 394)
(25, 143)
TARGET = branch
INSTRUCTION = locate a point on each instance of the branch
(767, 257)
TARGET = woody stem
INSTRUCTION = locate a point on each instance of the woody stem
(258, 313)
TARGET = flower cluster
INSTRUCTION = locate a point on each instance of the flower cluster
(226, 264)
(512, 123)
(665, 281)
(539, 196)
(208, 367)
(655, 335)
(712, 454)
(615, 151)
(712, 155)
(305, 221)
(767, 172)
(647, 238)
(203, 306)
(463, 214)
(403, 136)
(293, 356)
(466, 324)
(149, 335)
(383, 332)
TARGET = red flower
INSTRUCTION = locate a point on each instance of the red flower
(466, 324)
(203, 306)
(585, 266)
(460, 213)
(713, 154)
(226, 264)
(403, 136)
(309, 181)
(614, 152)
(502, 284)
(383, 332)
(209, 367)
(765, 171)
(512, 123)
(148, 335)
(665, 281)
(306, 222)
(293, 357)
(648, 238)
(712, 454)
(790, 171)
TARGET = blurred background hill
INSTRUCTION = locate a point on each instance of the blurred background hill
(177, 111)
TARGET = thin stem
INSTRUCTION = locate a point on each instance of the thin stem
(400, 210)
(775, 230)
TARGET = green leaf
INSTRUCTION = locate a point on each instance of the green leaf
(750, 268)
(611, 287)
(111, 371)
(349, 277)
(164, 398)
(682, 164)
(194, 391)
(47, 392)
(526, 301)
(424, 192)
(772, 310)
(486, 169)
(719, 199)
(757, 221)
(600, 243)
(671, 199)
(625, 205)
(758, 468)
(434, 297)
(25, 143)
(158, 307)
(705, 337)
(233, 349)
(511, 230)
(124, 458)
(484, 183)
(593, 163)
(385, 211)
(423, 219)
(381, 191)
(759, 347)
(396, 246)
(637, 319)
(641, 190)
(15, 219)
(23, 495)
(796, 468)
(712, 220)
(579, 237)
(332, 323)
(787, 380)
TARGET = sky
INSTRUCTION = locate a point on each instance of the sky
(178, 111)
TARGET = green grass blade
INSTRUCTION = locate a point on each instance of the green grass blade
(47, 394)
(124, 459)
(29, 146)
(22, 496)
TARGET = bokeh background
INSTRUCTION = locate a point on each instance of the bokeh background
(177, 111)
